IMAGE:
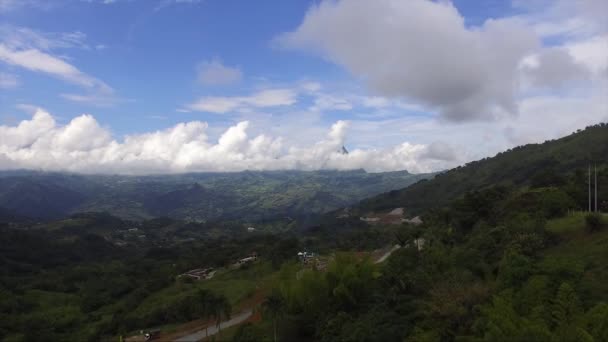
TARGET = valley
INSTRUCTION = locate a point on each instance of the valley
(517, 257)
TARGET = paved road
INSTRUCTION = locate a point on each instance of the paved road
(387, 254)
(212, 330)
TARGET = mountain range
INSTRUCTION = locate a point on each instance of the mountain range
(243, 196)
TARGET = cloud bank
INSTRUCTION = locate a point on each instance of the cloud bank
(84, 146)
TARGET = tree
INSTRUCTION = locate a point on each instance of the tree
(407, 234)
(274, 306)
(567, 308)
(596, 321)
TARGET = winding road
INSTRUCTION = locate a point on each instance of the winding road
(387, 254)
(212, 329)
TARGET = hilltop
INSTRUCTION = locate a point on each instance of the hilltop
(541, 163)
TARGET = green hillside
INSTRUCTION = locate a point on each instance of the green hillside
(522, 165)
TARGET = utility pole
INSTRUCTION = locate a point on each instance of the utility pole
(595, 169)
(589, 184)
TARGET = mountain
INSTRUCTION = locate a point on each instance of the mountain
(523, 165)
(36, 198)
(245, 196)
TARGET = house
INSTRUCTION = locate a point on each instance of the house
(396, 212)
(305, 257)
(419, 243)
(251, 258)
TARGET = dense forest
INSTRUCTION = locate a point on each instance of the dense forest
(498, 264)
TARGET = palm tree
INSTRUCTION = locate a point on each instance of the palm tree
(274, 306)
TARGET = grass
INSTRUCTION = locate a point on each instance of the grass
(239, 284)
(574, 222)
(581, 257)
(235, 284)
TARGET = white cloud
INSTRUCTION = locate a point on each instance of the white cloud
(554, 67)
(84, 146)
(26, 38)
(592, 52)
(8, 81)
(12, 5)
(215, 73)
(261, 99)
(166, 3)
(31, 50)
(38, 61)
(571, 19)
(422, 52)
(325, 102)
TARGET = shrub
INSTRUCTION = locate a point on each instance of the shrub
(594, 222)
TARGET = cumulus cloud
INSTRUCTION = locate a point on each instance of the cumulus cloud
(260, 99)
(554, 67)
(84, 146)
(592, 52)
(421, 50)
(214, 72)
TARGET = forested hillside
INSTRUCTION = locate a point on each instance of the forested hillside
(522, 165)
(500, 264)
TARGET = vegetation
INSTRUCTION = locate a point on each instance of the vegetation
(595, 222)
(514, 258)
(259, 197)
(538, 165)
(489, 270)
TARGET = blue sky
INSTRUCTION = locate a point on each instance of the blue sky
(430, 84)
(149, 55)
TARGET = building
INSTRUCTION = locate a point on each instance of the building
(305, 257)
(250, 259)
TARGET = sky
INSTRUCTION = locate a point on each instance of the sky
(169, 86)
